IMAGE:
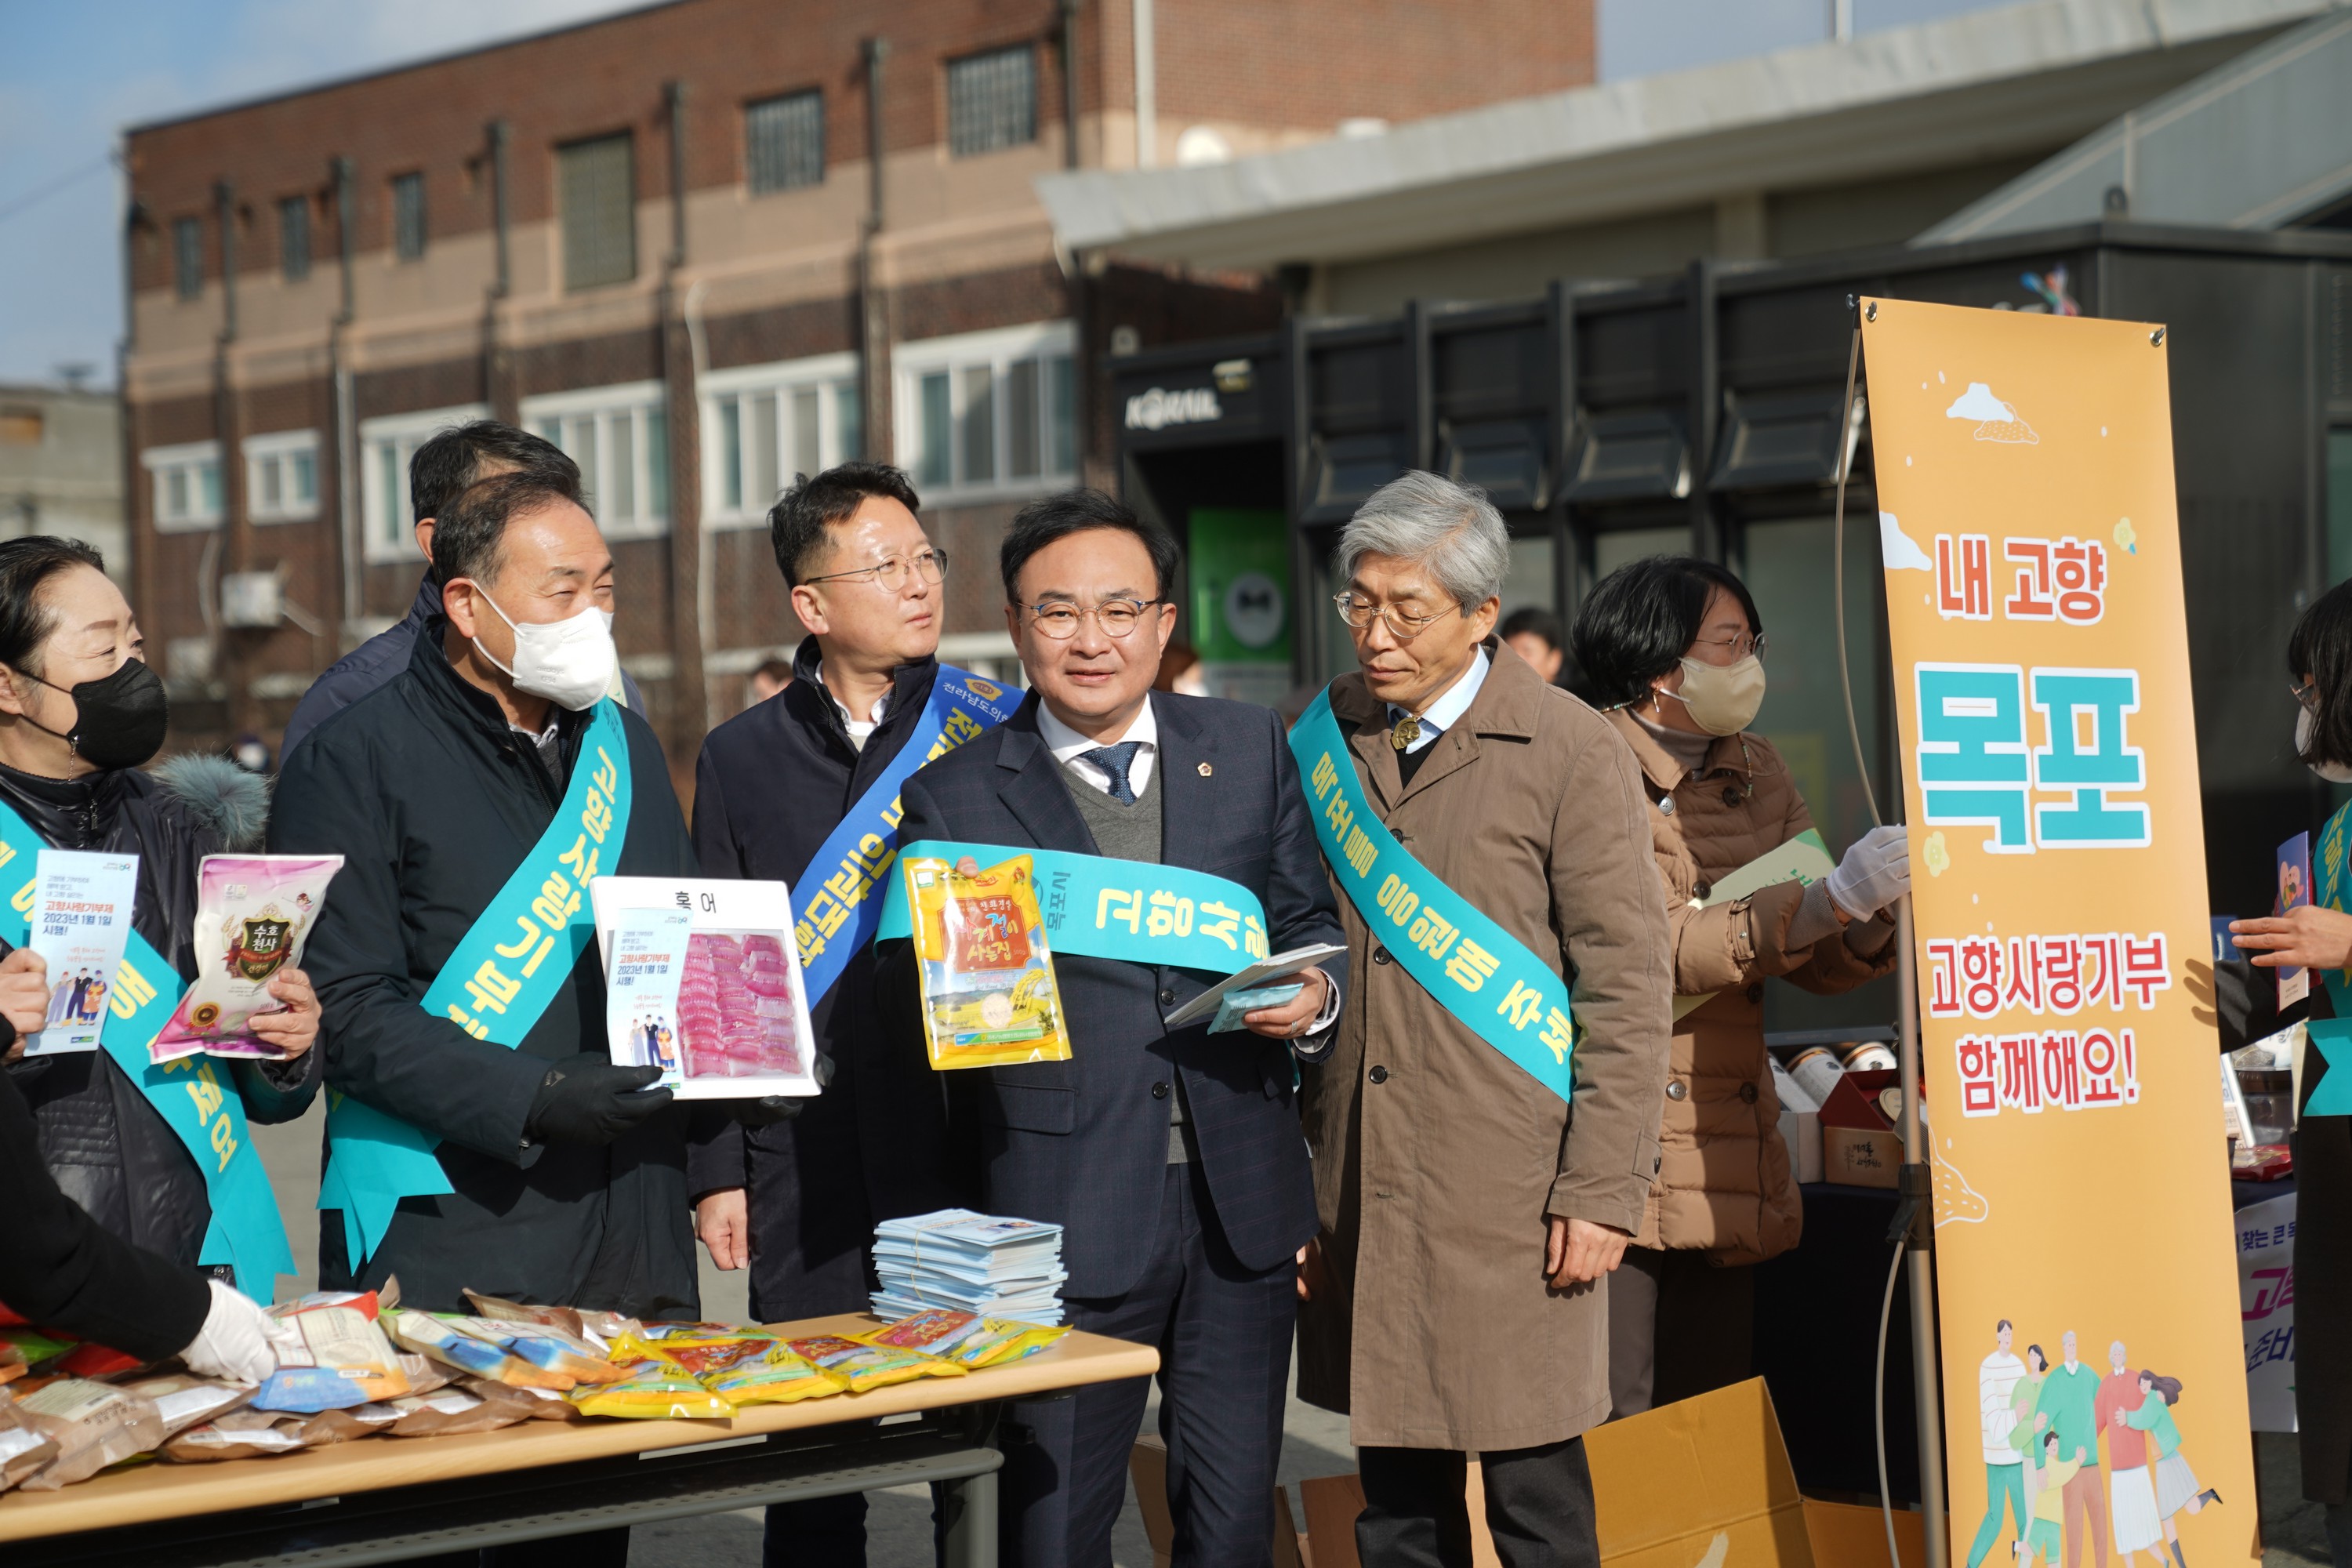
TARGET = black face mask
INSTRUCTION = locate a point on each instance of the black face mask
(121, 718)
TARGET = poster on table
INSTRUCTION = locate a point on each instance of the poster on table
(724, 1014)
(2085, 1270)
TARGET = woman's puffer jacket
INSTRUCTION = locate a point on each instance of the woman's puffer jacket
(1724, 1185)
(109, 1149)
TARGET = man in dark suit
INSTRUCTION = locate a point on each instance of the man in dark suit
(1172, 1157)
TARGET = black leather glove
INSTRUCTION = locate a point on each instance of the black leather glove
(587, 1100)
(769, 1109)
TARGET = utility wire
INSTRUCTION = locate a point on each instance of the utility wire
(53, 187)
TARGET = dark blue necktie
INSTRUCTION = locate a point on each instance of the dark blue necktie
(1114, 760)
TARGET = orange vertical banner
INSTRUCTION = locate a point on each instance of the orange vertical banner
(2041, 653)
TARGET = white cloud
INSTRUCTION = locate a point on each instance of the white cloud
(1897, 550)
(1979, 404)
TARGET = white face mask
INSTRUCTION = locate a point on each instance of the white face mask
(1722, 697)
(569, 662)
(2333, 773)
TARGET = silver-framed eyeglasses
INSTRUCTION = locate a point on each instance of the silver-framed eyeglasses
(1403, 625)
(1059, 619)
(891, 575)
(1738, 646)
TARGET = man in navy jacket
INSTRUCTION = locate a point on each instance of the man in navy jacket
(1171, 1158)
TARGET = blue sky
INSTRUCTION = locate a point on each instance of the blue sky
(71, 75)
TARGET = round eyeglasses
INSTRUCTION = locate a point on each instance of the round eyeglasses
(1402, 624)
(1739, 647)
(890, 576)
(1117, 617)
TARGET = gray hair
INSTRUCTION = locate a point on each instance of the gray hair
(1452, 529)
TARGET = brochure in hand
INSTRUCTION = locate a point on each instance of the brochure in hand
(254, 915)
(81, 921)
(2294, 884)
(1206, 1005)
(1805, 859)
(725, 1015)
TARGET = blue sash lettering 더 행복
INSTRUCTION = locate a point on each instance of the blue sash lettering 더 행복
(833, 909)
(1095, 906)
(2332, 1037)
(1478, 971)
(502, 976)
(196, 1095)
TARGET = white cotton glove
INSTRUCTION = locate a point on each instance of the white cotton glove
(1874, 873)
(238, 1340)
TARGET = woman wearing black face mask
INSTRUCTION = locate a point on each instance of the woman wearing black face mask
(2318, 937)
(80, 711)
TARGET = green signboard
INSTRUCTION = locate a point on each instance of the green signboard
(1241, 602)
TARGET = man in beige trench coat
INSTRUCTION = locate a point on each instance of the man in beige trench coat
(1467, 1213)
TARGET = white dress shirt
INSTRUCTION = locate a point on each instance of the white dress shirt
(860, 729)
(1069, 747)
(1451, 704)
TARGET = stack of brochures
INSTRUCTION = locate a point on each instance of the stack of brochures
(970, 1262)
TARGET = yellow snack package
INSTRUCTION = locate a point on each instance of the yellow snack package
(655, 1389)
(765, 1372)
(989, 996)
(865, 1366)
(969, 1340)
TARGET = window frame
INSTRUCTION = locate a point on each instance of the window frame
(1000, 349)
(565, 211)
(1027, 50)
(381, 544)
(411, 180)
(830, 376)
(287, 270)
(279, 446)
(647, 402)
(188, 257)
(189, 458)
(752, 184)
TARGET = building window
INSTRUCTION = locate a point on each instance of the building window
(598, 189)
(188, 256)
(294, 238)
(187, 485)
(988, 414)
(784, 141)
(764, 424)
(620, 437)
(992, 101)
(281, 475)
(387, 519)
(408, 216)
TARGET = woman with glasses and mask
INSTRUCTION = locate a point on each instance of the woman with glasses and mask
(81, 713)
(1673, 651)
(2318, 937)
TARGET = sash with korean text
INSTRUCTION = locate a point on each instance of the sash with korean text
(500, 978)
(1478, 972)
(196, 1095)
(2333, 1037)
(1133, 910)
(838, 916)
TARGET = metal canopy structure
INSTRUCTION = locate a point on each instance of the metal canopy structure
(2005, 81)
(2265, 141)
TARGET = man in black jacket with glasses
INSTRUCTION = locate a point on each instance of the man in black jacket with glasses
(791, 790)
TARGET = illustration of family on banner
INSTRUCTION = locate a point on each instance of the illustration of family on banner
(2085, 1246)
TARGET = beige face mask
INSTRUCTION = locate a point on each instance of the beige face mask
(1722, 698)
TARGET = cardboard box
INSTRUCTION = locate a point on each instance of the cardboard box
(1707, 1481)
(1800, 1126)
(1859, 1143)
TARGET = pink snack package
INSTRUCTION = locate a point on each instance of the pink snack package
(254, 912)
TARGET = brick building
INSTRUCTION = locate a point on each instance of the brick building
(664, 236)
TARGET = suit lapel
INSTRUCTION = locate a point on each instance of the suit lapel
(1188, 783)
(1455, 750)
(1033, 789)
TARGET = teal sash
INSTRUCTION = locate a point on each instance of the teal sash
(1097, 907)
(195, 1096)
(1452, 950)
(500, 978)
(2333, 1037)
(837, 917)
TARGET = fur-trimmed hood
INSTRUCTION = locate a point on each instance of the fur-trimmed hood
(224, 799)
